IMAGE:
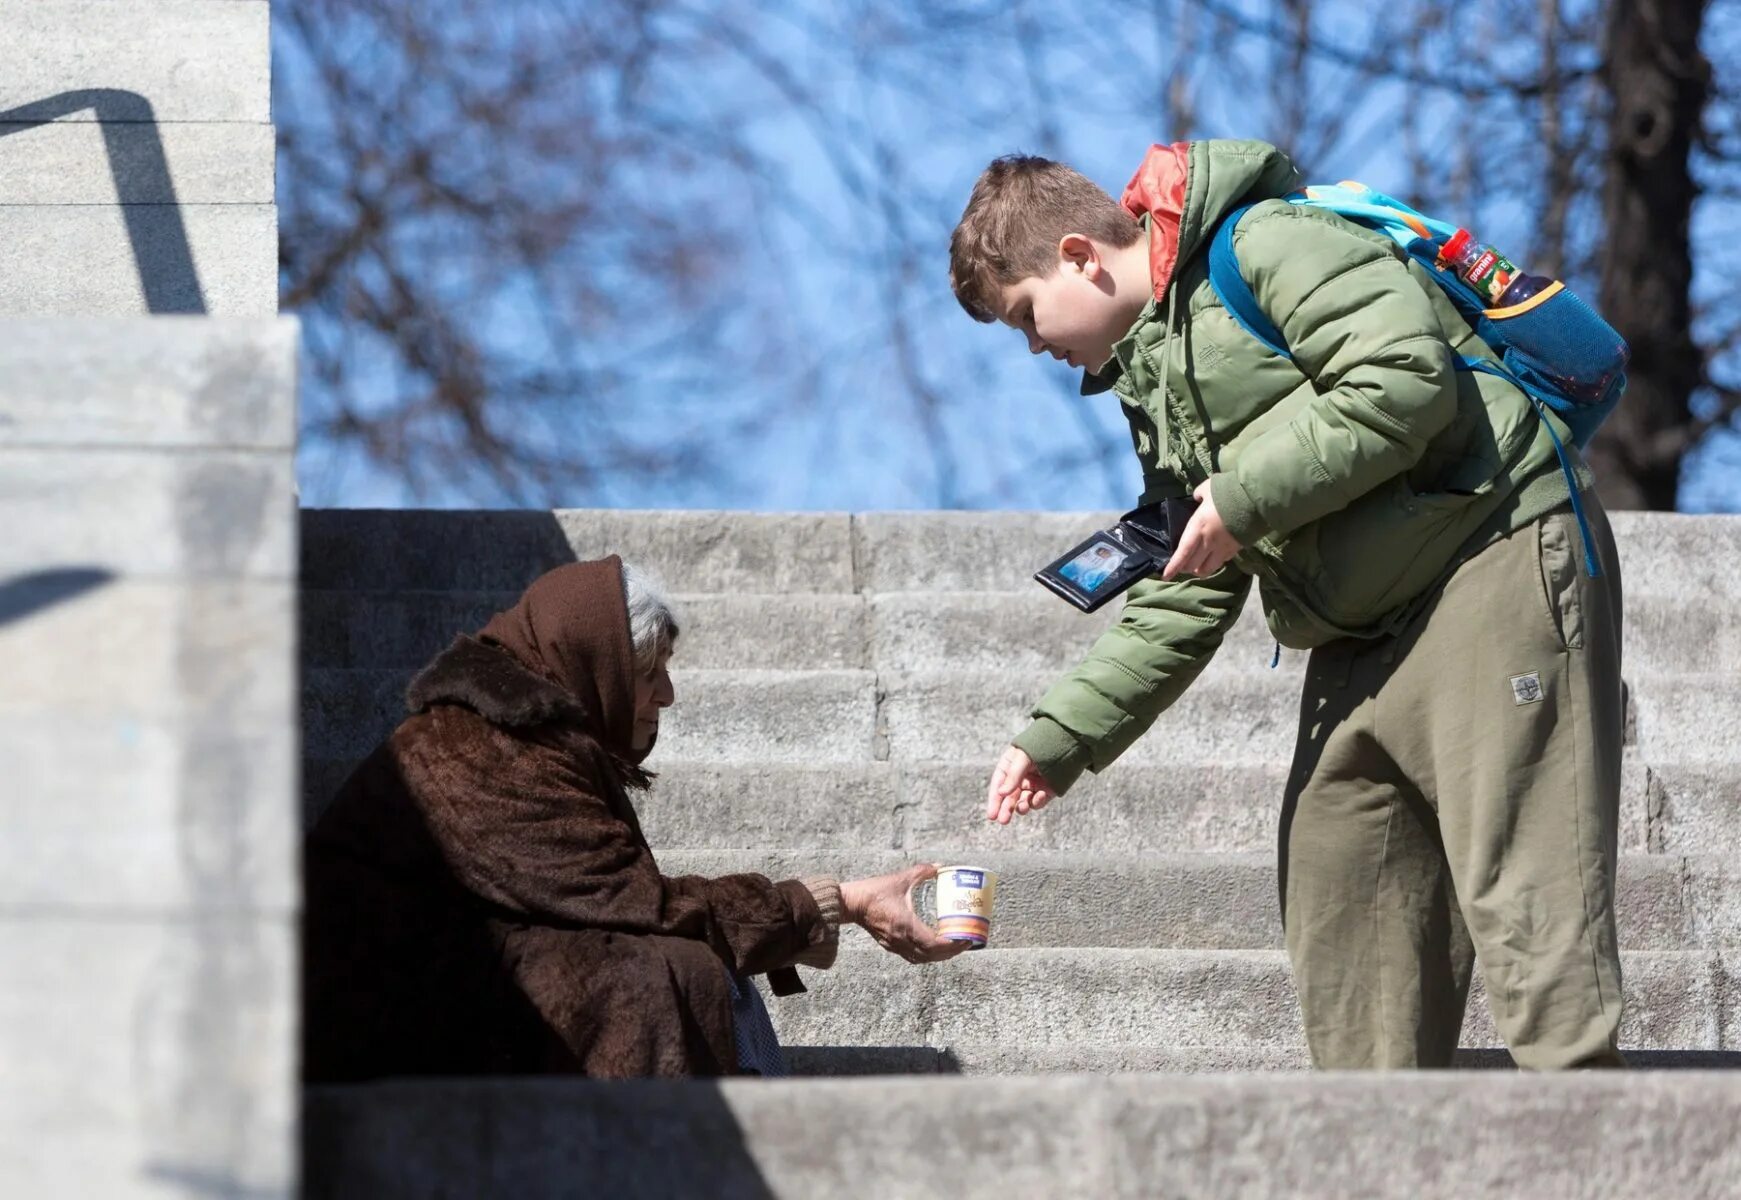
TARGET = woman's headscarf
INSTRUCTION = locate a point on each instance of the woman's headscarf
(572, 627)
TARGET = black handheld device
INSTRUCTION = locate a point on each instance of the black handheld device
(1106, 563)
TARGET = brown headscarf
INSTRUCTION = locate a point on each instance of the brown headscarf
(572, 627)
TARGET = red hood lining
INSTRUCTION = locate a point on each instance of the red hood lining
(1158, 189)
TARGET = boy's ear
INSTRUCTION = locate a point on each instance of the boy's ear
(1078, 251)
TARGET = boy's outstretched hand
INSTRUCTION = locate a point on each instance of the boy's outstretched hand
(1015, 788)
(1205, 546)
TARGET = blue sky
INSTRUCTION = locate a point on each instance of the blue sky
(847, 436)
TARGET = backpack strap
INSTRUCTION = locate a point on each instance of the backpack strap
(1232, 290)
(1236, 297)
(1464, 363)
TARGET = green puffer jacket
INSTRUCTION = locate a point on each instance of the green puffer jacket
(1355, 477)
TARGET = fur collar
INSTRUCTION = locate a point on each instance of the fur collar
(492, 683)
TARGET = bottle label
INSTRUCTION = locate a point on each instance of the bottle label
(1489, 274)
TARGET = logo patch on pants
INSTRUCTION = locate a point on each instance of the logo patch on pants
(1526, 689)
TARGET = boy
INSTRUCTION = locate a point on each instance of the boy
(1455, 784)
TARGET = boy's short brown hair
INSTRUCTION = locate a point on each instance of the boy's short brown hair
(1020, 208)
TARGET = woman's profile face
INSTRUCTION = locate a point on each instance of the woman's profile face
(653, 692)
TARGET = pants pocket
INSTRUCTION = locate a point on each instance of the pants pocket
(1562, 581)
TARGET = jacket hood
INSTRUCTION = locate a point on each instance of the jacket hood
(1186, 188)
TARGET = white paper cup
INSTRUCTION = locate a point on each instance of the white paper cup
(965, 896)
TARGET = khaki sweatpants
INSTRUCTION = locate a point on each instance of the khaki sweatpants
(1454, 797)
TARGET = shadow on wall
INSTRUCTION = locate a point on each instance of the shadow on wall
(140, 169)
(23, 595)
(528, 1139)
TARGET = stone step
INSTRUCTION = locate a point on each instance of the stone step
(1694, 718)
(159, 383)
(123, 811)
(796, 632)
(1474, 1135)
(833, 716)
(982, 1058)
(149, 512)
(429, 550)
(854, 716)
(1661, 634)
(1235, 716)
(1216, 901)
(148, 648)
(1230, 717)
(171, 60)
(869, 553)
(114, 162)
(119, 260)
(135, 1037)
(780, 716)
(999, 551)
(1675, 1000)
(901, 631)
(1665, 807)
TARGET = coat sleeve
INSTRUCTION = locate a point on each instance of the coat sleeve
(1365, 333)
(1165, 636)
(523, 824)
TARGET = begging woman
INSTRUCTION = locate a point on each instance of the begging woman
(480, 898)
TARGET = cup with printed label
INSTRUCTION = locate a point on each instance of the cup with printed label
(964, 900)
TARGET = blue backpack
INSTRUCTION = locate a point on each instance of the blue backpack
(1553, 346)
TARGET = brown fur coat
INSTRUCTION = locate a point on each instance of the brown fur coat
(479, 895)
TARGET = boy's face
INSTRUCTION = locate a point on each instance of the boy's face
(1075, 313)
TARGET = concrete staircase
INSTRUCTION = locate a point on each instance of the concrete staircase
(844, 684)
(1256, 1137)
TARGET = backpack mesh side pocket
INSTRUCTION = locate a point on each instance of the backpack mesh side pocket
(1565, 353)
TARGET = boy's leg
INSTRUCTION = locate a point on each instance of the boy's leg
(1507, 707)
(1380, 956)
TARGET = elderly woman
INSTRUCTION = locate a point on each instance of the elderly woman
(481, 900)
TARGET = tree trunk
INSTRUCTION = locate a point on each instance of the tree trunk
(1657, 81)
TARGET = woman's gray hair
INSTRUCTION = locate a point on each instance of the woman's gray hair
(652, 621)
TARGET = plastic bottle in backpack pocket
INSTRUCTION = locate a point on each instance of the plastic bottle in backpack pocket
(1495, 278)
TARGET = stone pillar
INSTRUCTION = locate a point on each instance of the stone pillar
(148, 732)
(148, 739)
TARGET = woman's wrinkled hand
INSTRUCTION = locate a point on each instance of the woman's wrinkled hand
(884, 906)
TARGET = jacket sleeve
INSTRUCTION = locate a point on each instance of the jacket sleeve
(1164, 638)
(1365, 333)
(523, 825)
